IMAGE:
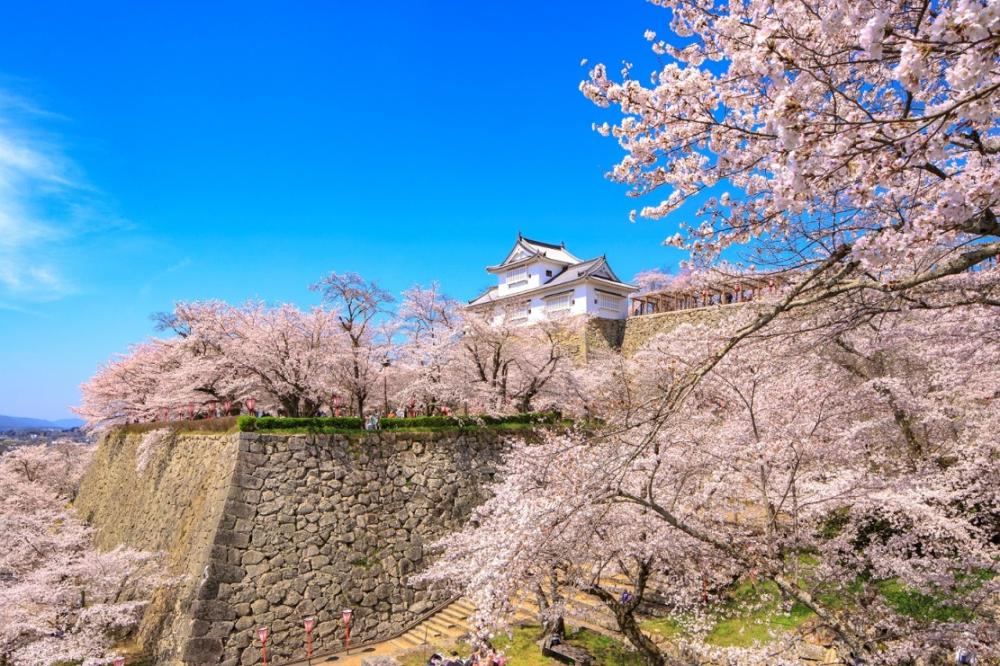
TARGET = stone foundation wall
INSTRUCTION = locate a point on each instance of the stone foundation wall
(640, 330)
(173, 506)
(595, 335)
(602, 335)
(288, 526)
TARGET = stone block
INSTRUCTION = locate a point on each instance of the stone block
(199, 628)
(202, 650)
(240, 509)
(212, 610)
(208, 588)
(229, 538)
(228, 573)
(252, 557)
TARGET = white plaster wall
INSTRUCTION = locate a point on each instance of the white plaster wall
(594, 307)
(536, 277)
(584, 297)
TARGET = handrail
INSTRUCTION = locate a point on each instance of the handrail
(420, 618)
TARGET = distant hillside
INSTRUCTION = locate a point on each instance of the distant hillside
(25, 423)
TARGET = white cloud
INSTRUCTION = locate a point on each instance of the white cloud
(44, 206)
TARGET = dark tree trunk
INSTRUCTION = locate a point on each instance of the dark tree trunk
(550, 626)
(644, 644)
(624, 611)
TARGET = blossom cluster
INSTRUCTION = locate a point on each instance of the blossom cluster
(353, 354)
(62, 599)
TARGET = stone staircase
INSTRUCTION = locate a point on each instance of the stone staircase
(446, 625)
(452, 622)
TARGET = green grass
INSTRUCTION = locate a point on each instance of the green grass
(522, 649)
(247, 423)
(604, 649)
(758, 626)
(506, 427)
(667, 627)
(355, 426)
(753, 613)
(922, 607)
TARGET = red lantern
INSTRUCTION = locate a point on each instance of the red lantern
(250, 403)
(211, 409)
(310, 624)
(119, 661)
(227, 407)
(262, 635)
(190, 410)
(346, 616)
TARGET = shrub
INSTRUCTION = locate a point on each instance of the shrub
(252, 423)
(248, 423)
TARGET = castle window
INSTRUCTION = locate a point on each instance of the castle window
(606, 301)
(517, 276)
(559, 303)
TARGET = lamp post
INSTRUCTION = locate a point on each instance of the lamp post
(385, 387)
(346, 616)
(262, 634)
(310, 624)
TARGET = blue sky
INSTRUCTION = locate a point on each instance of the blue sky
(154, 152)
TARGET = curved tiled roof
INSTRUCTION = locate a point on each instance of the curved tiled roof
(596, 268)
(532, 249)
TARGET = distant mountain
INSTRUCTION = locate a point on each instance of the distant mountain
(66, 424)
(25, 423)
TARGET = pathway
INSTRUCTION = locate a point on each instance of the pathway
(451, 623)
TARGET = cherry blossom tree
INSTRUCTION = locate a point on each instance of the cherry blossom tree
(653, 280)
(502, 364)
(281, 355)
(128, 388)
(430, 323)
(359, 303)
(853, 438)
(556, 543)
(289, 360)
(855, 146)
(826, 457)
(62, 600)
(833, 436)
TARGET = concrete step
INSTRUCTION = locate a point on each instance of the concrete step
(443, 628)
(453, 615)
(411, 640)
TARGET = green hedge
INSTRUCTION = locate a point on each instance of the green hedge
(253, 423)
(250, 423)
